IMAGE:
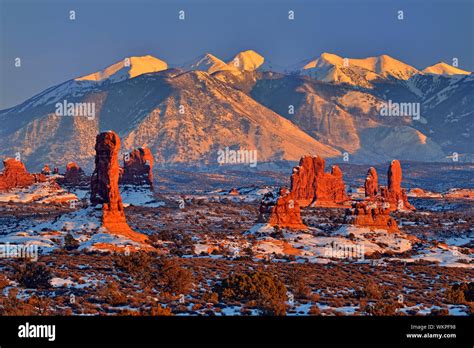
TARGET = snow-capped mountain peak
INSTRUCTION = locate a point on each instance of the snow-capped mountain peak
(208, 63)
(333, 68)
(247, 60)
(444, 69)
(127, 68)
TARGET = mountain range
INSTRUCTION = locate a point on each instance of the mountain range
(328, 105)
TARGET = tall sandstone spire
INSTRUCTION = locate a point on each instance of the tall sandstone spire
(393, 194)
(105, 189)
(371, 185)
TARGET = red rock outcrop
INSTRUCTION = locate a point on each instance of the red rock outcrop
(234, 192)
(46, 170)
(15, 175)
(393, 194)
(371, 185)
(105, 189)
(283, 211)
(74, 175)
(371, 215)
(310, 185)
(138, 168)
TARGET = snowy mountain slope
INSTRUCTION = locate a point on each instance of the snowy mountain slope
(445, 69)
(183, 117)
(186, 115)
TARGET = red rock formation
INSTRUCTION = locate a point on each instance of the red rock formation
(74, 175)
(105, 189)
(393, 194)
(282, 212)
(371, 215)
(310, 185)
(15, 175)
(371, 185)
(234, 192)
(46, 170)
(138, 168)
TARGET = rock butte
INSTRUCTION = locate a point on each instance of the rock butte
(46, 170)
(138, 168)
(370, 215)
(282, 212)
(15, 175)
(310, 185)
(105, 189)
(74, 175)
(234, 192)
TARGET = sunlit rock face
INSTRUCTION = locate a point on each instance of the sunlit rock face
(138, 168)
(370, 215)
(105, 189)
(393, 195)
(310, 185)
(282, 211)
(15, 175)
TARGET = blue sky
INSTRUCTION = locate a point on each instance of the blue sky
(54, 49)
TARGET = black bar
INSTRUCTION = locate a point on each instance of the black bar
(241, 330)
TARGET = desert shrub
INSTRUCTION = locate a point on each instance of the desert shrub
(299, 285)
(10, 305)
(33, 275)
(460, 293)
(314, 310)
(158, 310)
(439, 312)
(137, 264)
(112, 295)
(371, 290)
(70, 243)
(277, 233)
(266, 291)
(383, 308)
(175, 279)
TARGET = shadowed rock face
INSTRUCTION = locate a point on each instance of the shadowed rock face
(105, 189)
(15, 175)
(370, 215)
(282, 212)
(393, 194)
(74, 174)
(310, 185)
(371, 185)
(138, 168)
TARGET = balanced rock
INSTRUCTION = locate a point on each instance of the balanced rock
(138, 168)
(370, 215)
(15, 175)
(393, 194)
(105, 189)
(371, 185)
(284, 211)
(310, 185)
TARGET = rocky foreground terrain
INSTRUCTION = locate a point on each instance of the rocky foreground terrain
(130, 239)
